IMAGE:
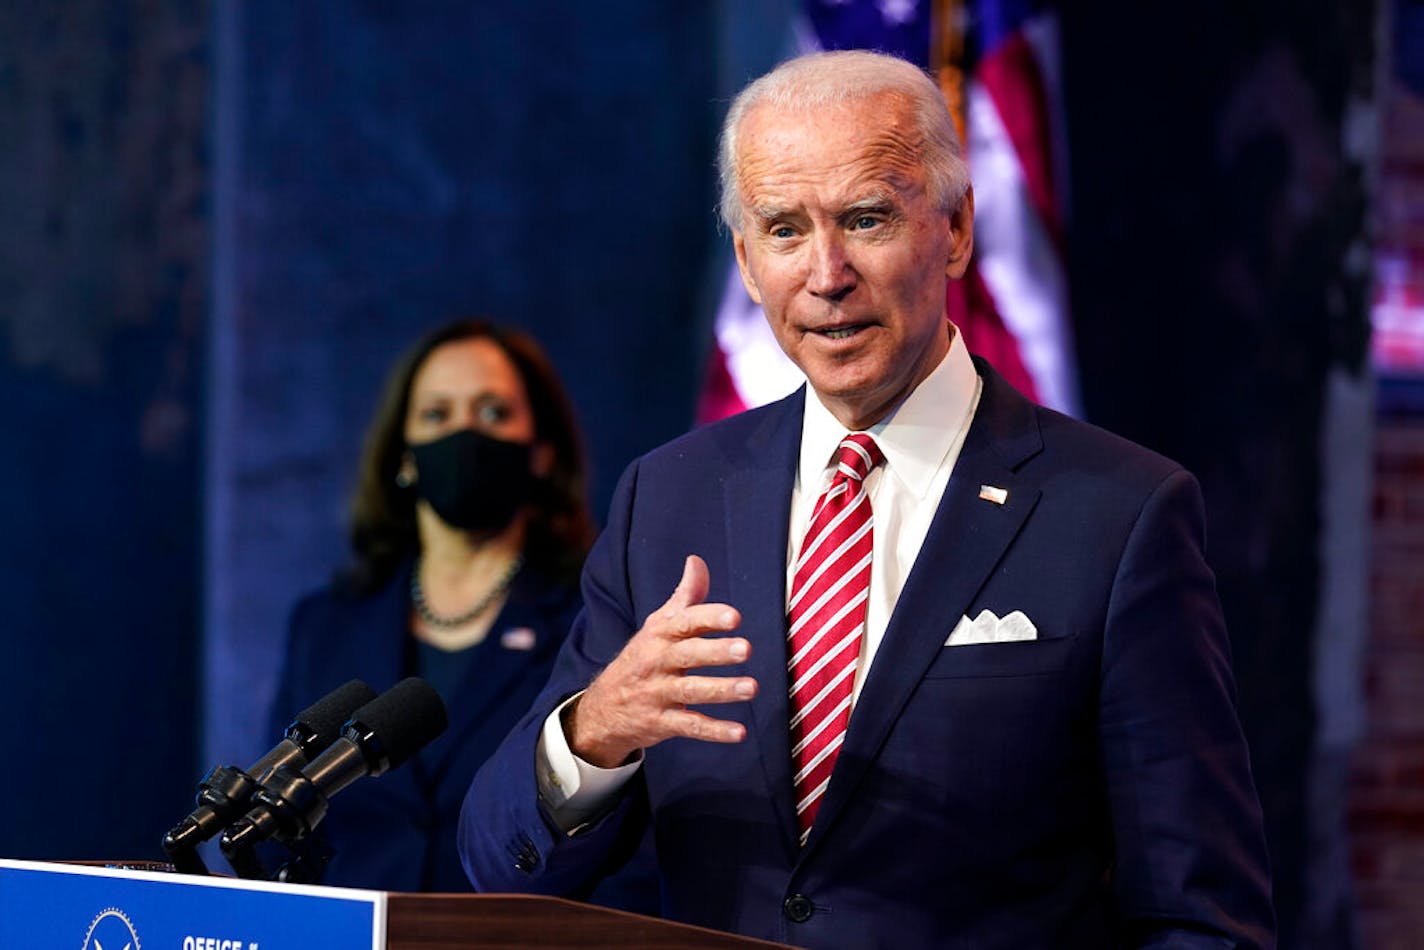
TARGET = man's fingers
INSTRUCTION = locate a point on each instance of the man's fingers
(692, 589)
(684, 614)
(696, 652)
(698, 619)
(694, 725)
(704, 690)
(645, 688)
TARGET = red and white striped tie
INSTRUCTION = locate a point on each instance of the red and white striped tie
(826, 617)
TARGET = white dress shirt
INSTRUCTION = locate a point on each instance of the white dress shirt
(921, 440)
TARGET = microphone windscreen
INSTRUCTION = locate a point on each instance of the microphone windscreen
(320, 724)
(404, 719)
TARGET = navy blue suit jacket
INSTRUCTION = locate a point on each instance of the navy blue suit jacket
(1087, 789)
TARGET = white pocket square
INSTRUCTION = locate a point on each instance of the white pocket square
(987, 628)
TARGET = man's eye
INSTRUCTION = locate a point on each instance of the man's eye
(435, 414)
(864, 222)
(782, 232)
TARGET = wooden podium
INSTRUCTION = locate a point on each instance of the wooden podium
(90, 905)
(447, 921)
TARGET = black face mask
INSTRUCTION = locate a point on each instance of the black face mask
(473, 481)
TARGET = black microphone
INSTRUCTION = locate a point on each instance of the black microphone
(380, 736)
(226, 793)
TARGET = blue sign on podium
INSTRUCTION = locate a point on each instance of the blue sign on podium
(57, 906)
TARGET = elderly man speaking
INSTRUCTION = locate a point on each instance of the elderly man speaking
(942, 668)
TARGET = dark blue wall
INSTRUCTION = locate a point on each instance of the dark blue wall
(103, 275)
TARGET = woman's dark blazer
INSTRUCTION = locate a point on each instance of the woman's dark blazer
(396, 832)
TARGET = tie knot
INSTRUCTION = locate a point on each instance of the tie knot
(857, 456)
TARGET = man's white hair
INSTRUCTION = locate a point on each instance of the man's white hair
(817, 80)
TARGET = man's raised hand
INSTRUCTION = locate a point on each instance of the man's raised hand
(641, 698)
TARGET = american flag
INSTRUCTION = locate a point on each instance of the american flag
(1013, 304)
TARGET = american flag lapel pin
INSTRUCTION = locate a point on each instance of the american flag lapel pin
(994, 493)
(518, 638)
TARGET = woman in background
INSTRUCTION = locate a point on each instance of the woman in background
(469, 526)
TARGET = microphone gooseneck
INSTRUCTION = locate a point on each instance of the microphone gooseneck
(381, 735)
(227, 791)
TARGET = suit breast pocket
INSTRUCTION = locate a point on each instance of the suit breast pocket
(1024, 658)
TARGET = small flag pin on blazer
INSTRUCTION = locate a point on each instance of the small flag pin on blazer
(993, 493)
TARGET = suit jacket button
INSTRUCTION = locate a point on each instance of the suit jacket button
(526, 856)
(798, 908)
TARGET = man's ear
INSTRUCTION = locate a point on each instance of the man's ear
(961, 234)
(739, 245)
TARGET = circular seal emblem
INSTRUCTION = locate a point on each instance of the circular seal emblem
(111, 930)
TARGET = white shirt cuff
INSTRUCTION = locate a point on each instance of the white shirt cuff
(573, 789)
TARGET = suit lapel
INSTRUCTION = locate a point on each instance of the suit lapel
(758, 506)
(377, 643)
(373, 641)
(966, 539)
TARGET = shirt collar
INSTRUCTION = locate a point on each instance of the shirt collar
(915, 437)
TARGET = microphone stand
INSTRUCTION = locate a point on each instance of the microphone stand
(308, 861)
(286, 808)
(222, 792)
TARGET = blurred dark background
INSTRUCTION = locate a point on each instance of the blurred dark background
(221, 221)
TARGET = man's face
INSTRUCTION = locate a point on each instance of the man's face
(845, 249)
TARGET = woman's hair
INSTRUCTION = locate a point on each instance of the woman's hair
(558, 529)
